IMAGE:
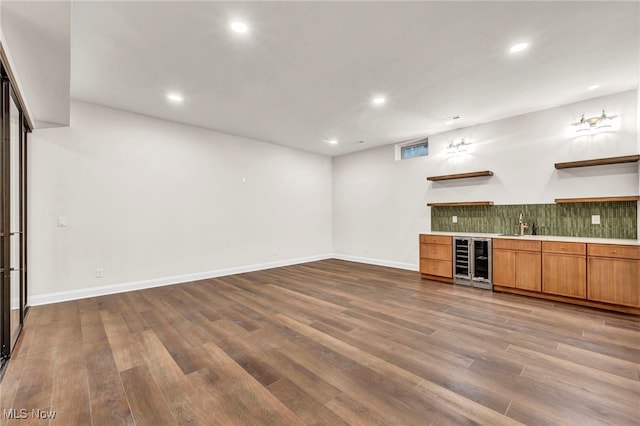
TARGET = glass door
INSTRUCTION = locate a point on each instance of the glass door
(481, 259)
(23, 217)
(5, 290)
(13, 284)
(15, 220)
(462, 258)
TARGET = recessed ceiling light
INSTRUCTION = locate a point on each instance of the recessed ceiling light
(518, 47)
(239, 27)
(379, 100)
(593, 87)
(176, 98)
(332, 141)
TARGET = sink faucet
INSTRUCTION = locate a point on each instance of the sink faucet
(523, 225)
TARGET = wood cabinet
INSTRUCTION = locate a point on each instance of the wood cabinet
(516, 264)
(614, 274)
(436, 257)
(605, 276)
(564, 269)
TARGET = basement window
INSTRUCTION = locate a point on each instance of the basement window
(412, 149)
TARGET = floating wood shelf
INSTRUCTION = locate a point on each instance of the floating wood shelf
(599, 162)
(596, 199)
(461, 175)
(463, 203)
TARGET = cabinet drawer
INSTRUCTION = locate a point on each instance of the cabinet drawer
(509, 244)
(436, 251)
(435, 239)
(440, 268)
(614, 250)
(564, 248)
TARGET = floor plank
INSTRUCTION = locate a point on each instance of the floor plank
(71, 388)
(147, 403)
(109, 405)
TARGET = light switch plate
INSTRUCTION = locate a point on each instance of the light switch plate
(62, 221)
(595, 219)
(454, 219)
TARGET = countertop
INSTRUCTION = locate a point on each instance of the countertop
(541, 238)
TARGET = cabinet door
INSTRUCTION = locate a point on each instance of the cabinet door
(565, 275)
(528, 270)
(504, 268)
(614, 281)
(440, 268)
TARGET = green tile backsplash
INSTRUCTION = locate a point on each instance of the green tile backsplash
(617, 219)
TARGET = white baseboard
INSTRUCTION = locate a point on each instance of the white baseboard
(379, 262)
(63, 296)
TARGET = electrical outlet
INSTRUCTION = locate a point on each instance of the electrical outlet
(99, 272)
(595, 219)
(454, 219)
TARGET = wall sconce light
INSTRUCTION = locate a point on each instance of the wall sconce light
(600, 122)
(455, 148)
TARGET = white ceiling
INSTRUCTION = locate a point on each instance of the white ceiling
(36, 36)
(307, 71)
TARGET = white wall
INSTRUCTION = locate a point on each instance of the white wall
(148, 199)
(379, 204)
(156, 202)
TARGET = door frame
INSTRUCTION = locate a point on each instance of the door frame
(7, 94)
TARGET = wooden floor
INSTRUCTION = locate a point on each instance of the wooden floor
(327, 342)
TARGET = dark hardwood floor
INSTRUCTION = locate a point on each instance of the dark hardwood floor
(327, 342)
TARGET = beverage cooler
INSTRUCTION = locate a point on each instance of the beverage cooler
(472, 262)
